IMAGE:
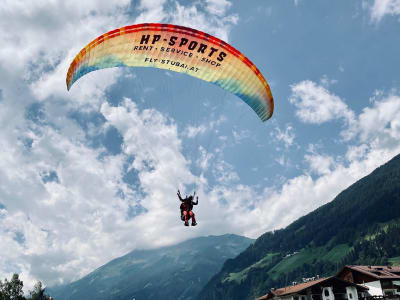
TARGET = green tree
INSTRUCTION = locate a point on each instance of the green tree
(12, 290)
(38, 292)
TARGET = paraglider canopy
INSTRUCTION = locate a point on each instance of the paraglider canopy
(180, 49)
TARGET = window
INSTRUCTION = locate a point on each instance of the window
(350, 295)
(388, 293)
(326, 293)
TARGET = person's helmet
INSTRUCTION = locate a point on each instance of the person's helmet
(190, 197)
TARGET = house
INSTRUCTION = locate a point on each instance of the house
(329, 288)
(381, 280)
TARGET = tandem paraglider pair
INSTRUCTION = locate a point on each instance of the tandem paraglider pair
(186, 208)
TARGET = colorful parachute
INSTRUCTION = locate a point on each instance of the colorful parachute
(178, 49)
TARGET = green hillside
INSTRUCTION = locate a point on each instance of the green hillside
(360, 226)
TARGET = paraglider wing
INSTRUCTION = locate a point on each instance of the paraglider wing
(178, 49)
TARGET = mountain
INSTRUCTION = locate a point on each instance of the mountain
(360, 226)
(174, 272)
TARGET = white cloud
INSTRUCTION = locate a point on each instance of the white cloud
(326, 82)
(58, 220)
(320, 164)
(372, 138)
(381, 123)
(316, 105)
(209, 16)
(283, 160)
(57, 230)
(152, 11)
(377, 126)
(356, 152)
(215, 23)
(225, 173)
(204, 160)
(217, 7)
(380, 8)
(152, 141)
(193, 131)
(37, 25)
(287, 136)
(278, 207)
(241, 135)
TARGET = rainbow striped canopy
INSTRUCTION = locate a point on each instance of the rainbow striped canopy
(180, 49)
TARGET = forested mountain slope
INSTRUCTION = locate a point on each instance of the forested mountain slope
(360, 226)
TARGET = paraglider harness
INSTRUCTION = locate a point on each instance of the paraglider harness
(187, 205)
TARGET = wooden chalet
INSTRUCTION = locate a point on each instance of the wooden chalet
(381, 280)
(329, 288)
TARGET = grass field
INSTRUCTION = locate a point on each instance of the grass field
(239, 276)
(309, 256)
(394, 261)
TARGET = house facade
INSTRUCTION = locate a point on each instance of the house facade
(381, 280)
(329, 288)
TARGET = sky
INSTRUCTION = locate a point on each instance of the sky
(91, 174)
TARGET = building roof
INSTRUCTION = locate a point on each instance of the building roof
(302, 286)
(297, 288)
(378, 272)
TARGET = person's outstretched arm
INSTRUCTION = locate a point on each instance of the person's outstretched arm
(197, 198)
(179, 195)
